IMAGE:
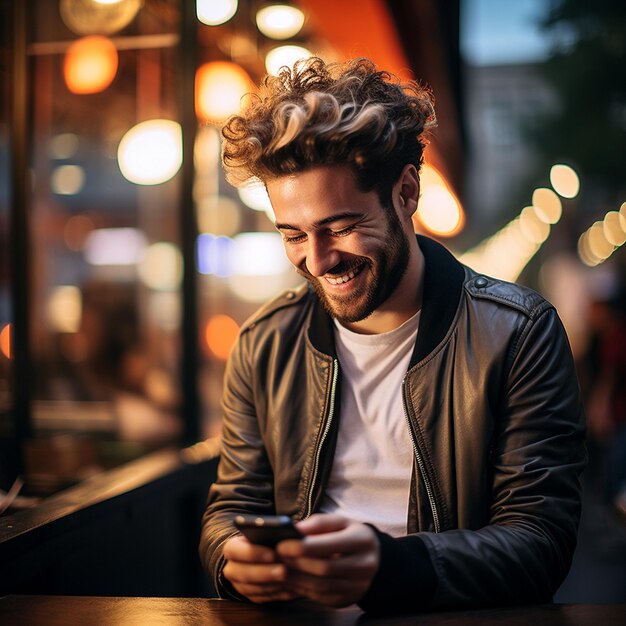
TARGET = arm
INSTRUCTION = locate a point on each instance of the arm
(524, 552)
(245, 478)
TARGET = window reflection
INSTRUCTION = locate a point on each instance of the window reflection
(6, 399)
(107, 301)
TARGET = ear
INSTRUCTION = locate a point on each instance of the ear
(406, 191)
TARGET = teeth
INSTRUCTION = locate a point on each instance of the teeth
(343, 279)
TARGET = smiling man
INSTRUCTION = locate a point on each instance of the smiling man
(421, 422)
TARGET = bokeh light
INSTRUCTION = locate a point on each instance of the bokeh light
(564, 180)
(5, 340)
(220, 86)
(63, 146)
(98, 17)
(215, 12)
(438, 210)
(90, 64)
(64, 309)
(280, 21)
(259, 254)
(585, 253)
(161, 267)
(151, 152)
(613, 226)
(284, 55)
(214, 254)
(532, 227)
(165, 309)
(219, 215)
(220, 335)
(547, 205)
(254, 195)
(206, 151)
(598, 244)
(115, 246)
(67, 180)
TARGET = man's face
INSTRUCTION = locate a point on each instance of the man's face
(343, 241)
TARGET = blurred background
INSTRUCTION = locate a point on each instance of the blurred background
(127, 263)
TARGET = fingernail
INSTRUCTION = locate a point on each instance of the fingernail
(278, 571)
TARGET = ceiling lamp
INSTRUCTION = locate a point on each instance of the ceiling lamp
(98, 17)
(284, 56)
(151, 152)
(215, 12)
(280, 21)
(220, 86)
(90, 64)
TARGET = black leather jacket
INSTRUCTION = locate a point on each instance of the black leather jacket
(493, 411)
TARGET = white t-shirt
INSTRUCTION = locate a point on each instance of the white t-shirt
(371, 473)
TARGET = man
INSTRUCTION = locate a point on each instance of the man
(422, 421)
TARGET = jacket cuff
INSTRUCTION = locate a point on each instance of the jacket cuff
(405, 580)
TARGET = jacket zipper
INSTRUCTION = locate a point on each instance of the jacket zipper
(420, 461)
(318, 452)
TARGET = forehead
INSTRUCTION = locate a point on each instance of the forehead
(318, 193)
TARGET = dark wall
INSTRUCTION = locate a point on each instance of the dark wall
(109, 537)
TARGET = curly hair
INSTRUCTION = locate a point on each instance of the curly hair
(322, 114)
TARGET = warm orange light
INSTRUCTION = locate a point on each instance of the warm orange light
(220, 335)
(439, 210)
(220, 86)
(5, 341)
(90, 64)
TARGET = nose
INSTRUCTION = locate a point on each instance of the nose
(321, 256)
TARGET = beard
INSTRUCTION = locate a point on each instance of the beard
(382, 273)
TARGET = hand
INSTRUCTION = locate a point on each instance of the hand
(335, 563)
(255, 572)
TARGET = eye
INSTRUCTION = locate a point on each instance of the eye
(293, 238)
(343, 232)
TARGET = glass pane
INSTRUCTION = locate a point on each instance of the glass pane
(106, 263)
(6, 399)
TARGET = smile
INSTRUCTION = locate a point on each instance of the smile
(345, 278)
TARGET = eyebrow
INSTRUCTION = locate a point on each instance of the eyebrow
(324, 222)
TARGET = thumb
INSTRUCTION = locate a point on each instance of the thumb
(320, 523)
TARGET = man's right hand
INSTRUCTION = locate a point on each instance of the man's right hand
(255, 571)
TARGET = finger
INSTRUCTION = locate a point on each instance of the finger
(359, 565)
(237, 572)
(353, 539)
(320, 523)
(265, 593)
(240, 549)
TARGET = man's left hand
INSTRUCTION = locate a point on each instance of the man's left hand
(336, 561)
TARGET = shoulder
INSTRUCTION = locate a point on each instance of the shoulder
(281, 309)
(484, 288)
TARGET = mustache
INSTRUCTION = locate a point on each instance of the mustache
(343, 267)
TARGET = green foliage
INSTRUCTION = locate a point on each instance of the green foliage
(588, 72)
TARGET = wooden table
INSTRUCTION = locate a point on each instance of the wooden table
(104, 611)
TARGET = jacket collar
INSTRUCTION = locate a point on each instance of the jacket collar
(443, 284)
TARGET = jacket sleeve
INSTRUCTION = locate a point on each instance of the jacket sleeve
(523, 554)
(245, 479)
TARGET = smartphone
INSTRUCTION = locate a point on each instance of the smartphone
(267, 530)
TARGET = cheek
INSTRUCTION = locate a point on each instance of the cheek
(295, 255)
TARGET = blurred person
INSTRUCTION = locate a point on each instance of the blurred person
(421, 421)
(604, 388)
